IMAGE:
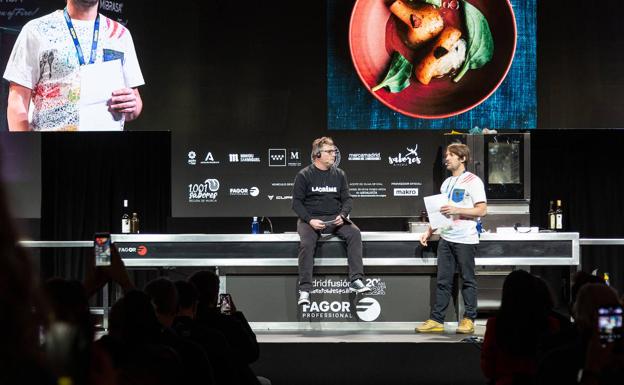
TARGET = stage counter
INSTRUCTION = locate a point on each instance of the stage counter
(259, 270)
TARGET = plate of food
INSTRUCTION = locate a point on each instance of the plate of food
(432, 59)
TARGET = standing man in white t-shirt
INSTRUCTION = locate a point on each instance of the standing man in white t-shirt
(45, 63)
(458, 242)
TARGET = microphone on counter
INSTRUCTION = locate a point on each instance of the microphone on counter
(270, 224)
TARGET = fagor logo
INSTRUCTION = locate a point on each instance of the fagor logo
(254, 191)
(325, 306)
(368, 309)
(141, 250)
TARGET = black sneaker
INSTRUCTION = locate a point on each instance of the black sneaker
(358, 286)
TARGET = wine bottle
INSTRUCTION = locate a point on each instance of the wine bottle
(125, 219)
(559, 216)
(551, 217)
(134, 223)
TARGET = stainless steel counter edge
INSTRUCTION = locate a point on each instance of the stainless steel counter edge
(367, 236)
(271, 262)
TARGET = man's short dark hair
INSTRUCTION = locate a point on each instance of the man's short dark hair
(207, 284)
(187, 294)
(461, 150)
(164, 295)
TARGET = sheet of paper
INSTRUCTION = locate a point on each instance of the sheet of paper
(97, 83)
(433, 203)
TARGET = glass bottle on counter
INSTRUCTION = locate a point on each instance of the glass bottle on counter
(125, 219)
(551, 217)
(559, 216)
(255, 226)
(134, 223)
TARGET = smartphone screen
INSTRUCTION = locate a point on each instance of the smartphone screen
(225, 301)
(610, 323)
(102, 249)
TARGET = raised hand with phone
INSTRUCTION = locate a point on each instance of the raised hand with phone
(105, 265)
(226, 305)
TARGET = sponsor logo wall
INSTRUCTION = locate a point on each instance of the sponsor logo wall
(250, 178)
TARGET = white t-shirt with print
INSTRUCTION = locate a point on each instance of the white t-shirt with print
(464, 191)
(44, 59)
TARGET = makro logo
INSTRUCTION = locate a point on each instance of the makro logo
(405, 192)
(368, 309)
(277, 157)
(191, 158)
(404, 160)
(209, 159)
(204, 192)
(141, 250)
(325, 189)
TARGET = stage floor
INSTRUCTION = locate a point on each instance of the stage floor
(368, 336)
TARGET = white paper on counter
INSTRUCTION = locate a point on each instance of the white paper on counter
(433, 203)
(97, 83)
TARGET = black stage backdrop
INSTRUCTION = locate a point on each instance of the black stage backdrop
(86, 176)
(581, 167)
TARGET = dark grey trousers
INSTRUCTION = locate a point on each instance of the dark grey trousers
(349, 232)
(451, 254)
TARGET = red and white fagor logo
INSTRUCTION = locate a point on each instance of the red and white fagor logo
(140, 250)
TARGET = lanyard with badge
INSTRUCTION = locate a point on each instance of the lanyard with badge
(450, 191)
(94, 44)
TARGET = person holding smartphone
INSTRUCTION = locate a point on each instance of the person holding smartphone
(322, 202)
(594, 354)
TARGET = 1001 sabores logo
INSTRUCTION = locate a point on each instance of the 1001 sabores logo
(203, 192)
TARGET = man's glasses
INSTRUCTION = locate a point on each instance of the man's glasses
(330, 151)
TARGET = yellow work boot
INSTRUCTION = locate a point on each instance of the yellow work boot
(466, 326)
(430, 326)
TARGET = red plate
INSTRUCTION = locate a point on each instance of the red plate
(373, 38)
